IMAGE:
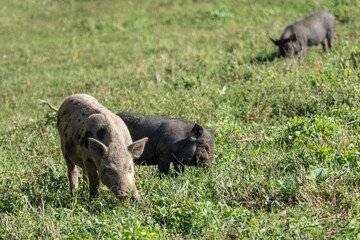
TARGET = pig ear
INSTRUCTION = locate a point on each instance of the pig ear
(137, 147)
(213, 131)
(196, 131)
(292, 37)
(97, 149)
(275, 41)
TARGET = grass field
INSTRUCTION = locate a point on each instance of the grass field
(287, 160)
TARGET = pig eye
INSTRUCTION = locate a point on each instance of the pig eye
(108, 171)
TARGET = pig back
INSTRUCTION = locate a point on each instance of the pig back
(163, 134)
(313, 28)
(172, 129)
(74, 123)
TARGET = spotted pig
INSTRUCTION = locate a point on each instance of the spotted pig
(99, 142)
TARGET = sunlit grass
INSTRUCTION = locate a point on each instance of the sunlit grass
(287, 157)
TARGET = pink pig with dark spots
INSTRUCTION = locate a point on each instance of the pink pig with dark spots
(98, 141)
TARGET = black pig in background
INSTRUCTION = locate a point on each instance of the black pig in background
(318, 27)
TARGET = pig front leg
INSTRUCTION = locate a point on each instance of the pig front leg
(164, 161)
(72, 174)
(92, 177)
(85, 177)
(135, 194)
(303, 51)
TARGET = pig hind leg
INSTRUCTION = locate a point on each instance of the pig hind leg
(330, 37)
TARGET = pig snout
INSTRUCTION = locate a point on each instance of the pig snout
(121, 196)
(119, 192)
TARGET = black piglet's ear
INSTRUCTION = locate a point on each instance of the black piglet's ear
(275, 41)
(213, 131)
(196, 131)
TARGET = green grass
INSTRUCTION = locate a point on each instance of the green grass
(287, 160)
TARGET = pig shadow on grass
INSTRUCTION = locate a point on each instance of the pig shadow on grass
(50, 191)
(263, 58)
